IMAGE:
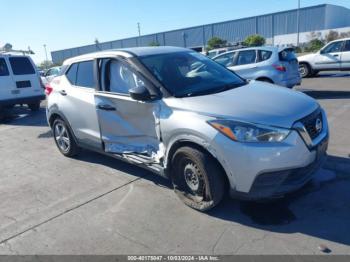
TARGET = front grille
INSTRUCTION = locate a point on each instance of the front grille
(310, 124)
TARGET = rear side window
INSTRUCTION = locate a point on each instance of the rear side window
(85, 75)
(287, 55)
(347, 46)
(246, 57)
(72, 74)
(264, 55)
(4, 71)
(21, 66)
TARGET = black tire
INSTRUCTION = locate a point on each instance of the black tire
(305, 70)
(210, 178)
(64, 139)
(34, 106)
(315, 73)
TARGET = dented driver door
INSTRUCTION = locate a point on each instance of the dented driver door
(128, 127)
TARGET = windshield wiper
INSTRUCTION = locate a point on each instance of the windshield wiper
(214, 91)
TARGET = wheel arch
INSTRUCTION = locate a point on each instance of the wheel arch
(56, 114)
(197, 144)
(266, 79)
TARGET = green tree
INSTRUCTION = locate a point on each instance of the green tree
(254, 40)
(216, 42)
(314, 45)
(153, 43)
(332, 35)
(45, 64)
(345, 34)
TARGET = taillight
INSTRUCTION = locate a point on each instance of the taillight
(48, 89)
(280, 68)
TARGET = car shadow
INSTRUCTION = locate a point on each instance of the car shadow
(23, 116)
(275, 216)
(332, 75)
(326, 94)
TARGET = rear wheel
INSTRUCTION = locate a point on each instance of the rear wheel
(198, 179)
(305, 70)
(34, 106)
(64, 138)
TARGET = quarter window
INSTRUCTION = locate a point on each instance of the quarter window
(85, 74)
(72, 74)
(21, 66)
(246, 57)
(4, 71)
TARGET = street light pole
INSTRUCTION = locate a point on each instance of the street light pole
(46, 64)
(298, 24)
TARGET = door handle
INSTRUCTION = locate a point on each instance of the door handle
(106, 107)
(335, 55)
(63, 92)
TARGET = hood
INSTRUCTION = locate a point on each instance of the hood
(257, 102)
(306, 57)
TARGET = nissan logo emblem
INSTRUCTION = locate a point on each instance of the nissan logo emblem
(318, 125)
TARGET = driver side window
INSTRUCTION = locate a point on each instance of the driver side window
(226, 59)
(333, 48)
(118, 77)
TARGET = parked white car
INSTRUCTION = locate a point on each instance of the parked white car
(333, 57)
(19, 82)
(52, 73)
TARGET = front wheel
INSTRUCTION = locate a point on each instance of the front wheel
(64, 138)
(198, 179)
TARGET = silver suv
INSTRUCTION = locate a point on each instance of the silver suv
(268, 64)
(185, 117)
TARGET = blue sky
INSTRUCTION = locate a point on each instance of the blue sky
(68, 23)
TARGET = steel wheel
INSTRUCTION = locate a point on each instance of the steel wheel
(197, 178)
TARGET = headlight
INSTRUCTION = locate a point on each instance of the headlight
(245, 132)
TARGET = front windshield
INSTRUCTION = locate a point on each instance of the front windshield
(190, 74)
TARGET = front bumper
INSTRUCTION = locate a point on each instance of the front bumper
(267, 170)
(278, 183)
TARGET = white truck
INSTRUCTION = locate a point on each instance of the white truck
(19, 82)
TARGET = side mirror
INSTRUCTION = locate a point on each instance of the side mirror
(140, 93)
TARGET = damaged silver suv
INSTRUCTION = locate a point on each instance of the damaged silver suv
(185, 117)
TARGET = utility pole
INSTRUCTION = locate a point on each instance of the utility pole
(47, 60)
(139, 28)
(298, 24)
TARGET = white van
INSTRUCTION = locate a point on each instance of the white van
(19, 82)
